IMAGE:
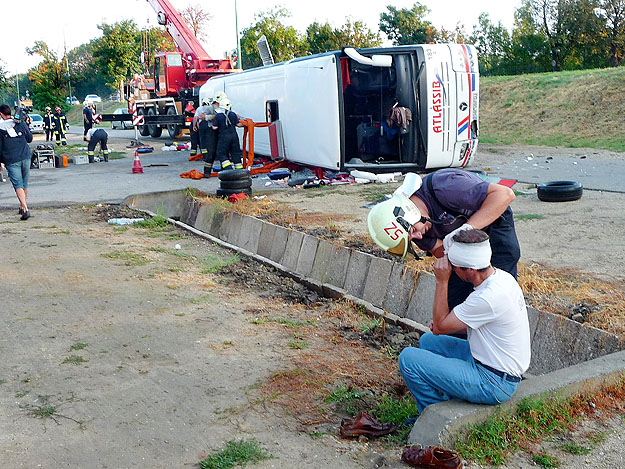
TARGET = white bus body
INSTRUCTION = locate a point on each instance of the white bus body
(333, 107)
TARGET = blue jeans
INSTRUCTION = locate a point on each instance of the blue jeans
(443, 368)
(19, 173)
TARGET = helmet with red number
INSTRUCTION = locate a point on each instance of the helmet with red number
(389, 223)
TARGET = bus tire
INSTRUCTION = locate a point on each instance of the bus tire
(173, 129)
(154, 129)
(559, 191)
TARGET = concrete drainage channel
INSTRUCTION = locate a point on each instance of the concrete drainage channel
(567, 357)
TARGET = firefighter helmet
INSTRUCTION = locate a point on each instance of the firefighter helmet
(390, 221)
(57, 109)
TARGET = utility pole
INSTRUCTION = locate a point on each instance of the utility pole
(69, 80)
(236, 25)
(17, 83)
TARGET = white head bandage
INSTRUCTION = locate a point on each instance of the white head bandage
(470, 255)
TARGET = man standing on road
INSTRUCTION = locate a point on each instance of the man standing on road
(95, 136)
(87, 116)
(203, 124)
(424, 212)
(228, 144)
(15, 154)
(48, 123)
(486, 368)
(60, 127)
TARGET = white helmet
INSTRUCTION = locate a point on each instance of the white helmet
(389, 223)
(225, 103)
(206, 101)
(220, 95)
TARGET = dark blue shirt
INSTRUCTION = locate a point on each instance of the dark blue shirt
(14, 149)
(222, 123)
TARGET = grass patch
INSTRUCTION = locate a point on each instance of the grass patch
(546, 461)
(73, 360)
(288, 322)
(43, 412)
(155, 222)
(574, 448)
(128, 258)
(298, 344)
(213, 263)
(345, 398)
(120, 229)
(369, 325)
(236, 453)
(529, 216)
(504, 432)
(117, 155)
(78, 346)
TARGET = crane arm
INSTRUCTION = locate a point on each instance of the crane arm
(184, 38)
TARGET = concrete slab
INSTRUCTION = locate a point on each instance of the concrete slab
(250, 233)
(187, 208)
(204, 218)
(443, 423)
(552, 343)
(330, 264)
(356, 275)
(377, 280)
(401, 285)
(223, 226)
(278, 247)
(422, 302)
(306, 256)
(532, 315)
(168, 203)
(265, 239)
(292, 249)
(235, 224)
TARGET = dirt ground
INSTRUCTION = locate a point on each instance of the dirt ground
(122, 351)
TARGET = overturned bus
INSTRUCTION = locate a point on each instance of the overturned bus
(384, 109)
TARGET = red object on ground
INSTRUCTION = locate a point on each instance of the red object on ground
(193, 174)
(197, 157)
(507, 182)
(136, 167)
(234, 198)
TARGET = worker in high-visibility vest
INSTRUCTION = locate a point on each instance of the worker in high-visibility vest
(95, 136)
(60, 126)
(48, 123)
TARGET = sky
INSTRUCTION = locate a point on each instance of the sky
(74, 22)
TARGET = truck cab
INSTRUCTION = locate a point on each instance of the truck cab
(169, 74)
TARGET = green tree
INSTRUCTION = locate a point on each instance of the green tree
(117, 52)
(407, 26)
(458, 35)
(529, 50)
(493, 43)
(548, 15)
(284, 41)
(614, 13)
(587, 39)
(4, 81)
(49, 78)
(324, 38)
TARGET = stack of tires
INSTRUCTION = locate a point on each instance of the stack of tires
(234, 181)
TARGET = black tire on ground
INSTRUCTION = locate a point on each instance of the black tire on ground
(155, 130)
(173, 129)
(233, 174)
(144, 131)
(229, 192)
(239, 184)
(559, 191)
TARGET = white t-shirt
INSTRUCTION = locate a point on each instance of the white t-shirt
(498, 329)
(206, 109)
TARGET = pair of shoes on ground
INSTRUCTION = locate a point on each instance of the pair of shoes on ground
(25, 214)
(432, 456)
(366, 425)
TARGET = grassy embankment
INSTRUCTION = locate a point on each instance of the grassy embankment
(584, 108)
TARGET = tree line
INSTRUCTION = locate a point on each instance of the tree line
(547, 35)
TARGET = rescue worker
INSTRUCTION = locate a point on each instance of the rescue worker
(48, 123)
(87, 116)
(203, 124)
(228, 140)
(95, 136)
(189, 111)
(60, 126)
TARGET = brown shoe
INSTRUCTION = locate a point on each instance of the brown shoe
(432, 456)
(364, 424)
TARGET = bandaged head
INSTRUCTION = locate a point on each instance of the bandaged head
(470, 255)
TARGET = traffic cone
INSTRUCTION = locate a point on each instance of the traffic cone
(136, 167)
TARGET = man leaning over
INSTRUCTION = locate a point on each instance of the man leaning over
(486, 367)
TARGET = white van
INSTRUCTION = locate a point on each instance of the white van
(333, 107)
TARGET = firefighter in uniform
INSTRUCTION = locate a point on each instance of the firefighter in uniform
(95, 136)
(226, 122)
(60, 126)
(48, 123)
(203, 122)
(189, 111)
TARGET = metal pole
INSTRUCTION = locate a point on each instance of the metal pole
(236, 23)
(17, 82)
(69, 81)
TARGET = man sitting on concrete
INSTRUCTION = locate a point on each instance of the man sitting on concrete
(486, 367)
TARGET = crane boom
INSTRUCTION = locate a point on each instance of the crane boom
(185, 40)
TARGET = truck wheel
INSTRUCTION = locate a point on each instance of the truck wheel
(239, 184)
(143, 129)
(154, 129)
(233, 174)
(173, 129)
(559, 191)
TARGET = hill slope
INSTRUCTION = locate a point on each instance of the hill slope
(583, 108)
